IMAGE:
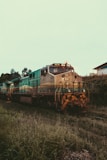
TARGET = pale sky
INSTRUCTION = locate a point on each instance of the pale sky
(35, 33)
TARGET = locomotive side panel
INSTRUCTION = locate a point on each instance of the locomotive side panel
(34, 82)
(46, 84)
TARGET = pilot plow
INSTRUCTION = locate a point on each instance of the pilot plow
(71, 100)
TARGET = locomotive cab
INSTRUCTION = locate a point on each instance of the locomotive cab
(68, 87)
(58, 68)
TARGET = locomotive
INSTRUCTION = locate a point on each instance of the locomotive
(57, 85)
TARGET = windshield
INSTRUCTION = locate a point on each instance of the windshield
(58, 68)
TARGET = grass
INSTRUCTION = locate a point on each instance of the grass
(29, 133)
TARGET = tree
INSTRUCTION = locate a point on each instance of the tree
(26, 72)
(12, 71)
(9, 76)
(4, 77)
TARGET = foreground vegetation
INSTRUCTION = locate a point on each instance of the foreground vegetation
(29, 133)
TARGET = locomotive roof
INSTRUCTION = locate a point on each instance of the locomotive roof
(61, 64)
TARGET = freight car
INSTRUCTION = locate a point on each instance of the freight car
(56, 85)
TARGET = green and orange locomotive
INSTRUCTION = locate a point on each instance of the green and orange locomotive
(56, 85)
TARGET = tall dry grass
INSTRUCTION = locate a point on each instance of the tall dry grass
(48, 136)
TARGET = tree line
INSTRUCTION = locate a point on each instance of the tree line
(13, 74)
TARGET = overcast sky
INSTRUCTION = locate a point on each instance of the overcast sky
(35, 33)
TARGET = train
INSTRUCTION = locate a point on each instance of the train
(56, 85)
